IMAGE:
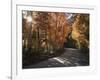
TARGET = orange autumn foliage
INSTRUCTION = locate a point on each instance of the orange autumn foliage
(52, 25)
(80, 31)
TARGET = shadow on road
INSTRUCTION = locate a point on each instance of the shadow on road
(62, 58)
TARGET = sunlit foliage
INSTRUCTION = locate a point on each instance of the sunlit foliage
(47, 30)
(80, 31)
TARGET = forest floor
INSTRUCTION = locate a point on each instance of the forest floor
(69, 58)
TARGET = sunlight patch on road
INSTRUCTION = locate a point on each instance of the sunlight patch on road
(62, 60)
(59, 60)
